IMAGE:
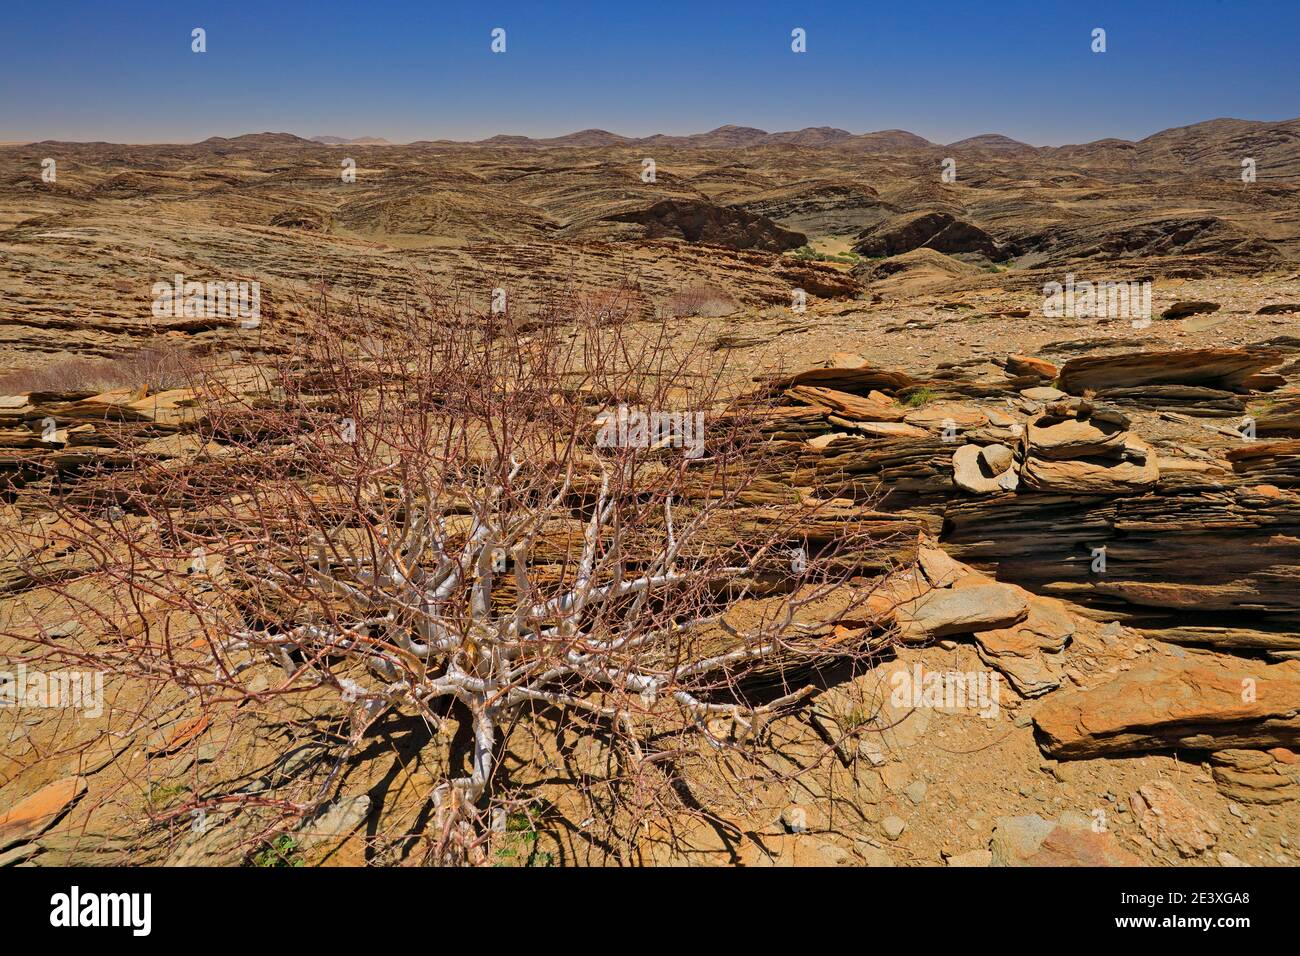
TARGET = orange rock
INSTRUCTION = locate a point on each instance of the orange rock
(183, 735)
(1033, 841)
(947, 414)
(1168, 819)
(1028, 365)
(1198, 702)
(846, 404)
(32, 815)
(1078, 847)
(1217, 367)
(1282, 755)
(821, 441)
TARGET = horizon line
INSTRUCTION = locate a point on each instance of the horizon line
(631, 140)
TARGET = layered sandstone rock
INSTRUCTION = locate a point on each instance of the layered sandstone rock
(1268, 777)
(1230, 369)
(1191, 702)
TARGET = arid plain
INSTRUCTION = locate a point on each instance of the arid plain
(1098, 505)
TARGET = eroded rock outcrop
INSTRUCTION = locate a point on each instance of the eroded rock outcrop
(940, 231)
(698, 221)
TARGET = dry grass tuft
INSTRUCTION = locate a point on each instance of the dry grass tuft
(156, 368)
(702, 300)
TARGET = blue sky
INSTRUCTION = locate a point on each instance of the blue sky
(122, 70)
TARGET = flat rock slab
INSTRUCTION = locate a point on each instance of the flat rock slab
(1043, 393)
(32, 815)
(1018, 651)
(947, 414)
(1033, 841)
(851, 406)
(1225, 367)
(849, 372)
(1090, 476)
(1200, 702)
(943, 611)
(890, 429)
(1074, 438)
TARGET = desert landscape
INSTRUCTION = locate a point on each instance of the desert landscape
(965, 532)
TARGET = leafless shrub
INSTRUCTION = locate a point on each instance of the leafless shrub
(450, 520)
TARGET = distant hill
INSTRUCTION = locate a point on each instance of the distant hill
(355, 141)
(1220, 145)
(990, 141)
(1214, 148)
(724, 137)
(889, 140)
(587, 137)
(257, 139)
(812, 136)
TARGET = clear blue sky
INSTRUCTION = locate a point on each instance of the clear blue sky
(122, 70)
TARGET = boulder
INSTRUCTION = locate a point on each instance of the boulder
(997, 458)
(1181, 310)
(971, 471)
(1193, 702)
